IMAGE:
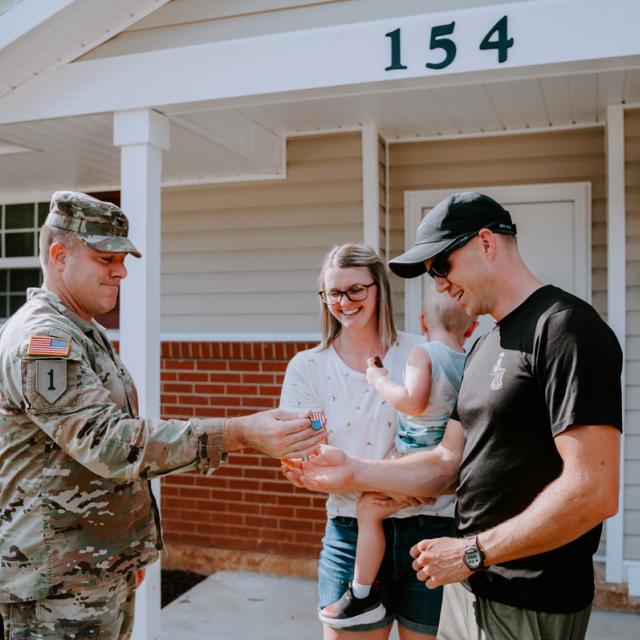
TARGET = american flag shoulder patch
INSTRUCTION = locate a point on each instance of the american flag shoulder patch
(48, 346)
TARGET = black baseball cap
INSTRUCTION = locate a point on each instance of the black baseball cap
(459, 215)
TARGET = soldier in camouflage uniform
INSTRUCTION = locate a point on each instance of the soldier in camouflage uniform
(77, 517)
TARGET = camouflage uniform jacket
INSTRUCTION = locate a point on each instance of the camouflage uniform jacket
(75, 458)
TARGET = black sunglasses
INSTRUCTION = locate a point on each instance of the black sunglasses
(441, 266)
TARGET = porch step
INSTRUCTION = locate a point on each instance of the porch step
(611, 596)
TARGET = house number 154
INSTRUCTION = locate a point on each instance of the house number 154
(496, 38)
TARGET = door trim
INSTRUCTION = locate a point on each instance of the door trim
(577, 192)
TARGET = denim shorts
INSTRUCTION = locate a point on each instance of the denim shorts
(405, 598)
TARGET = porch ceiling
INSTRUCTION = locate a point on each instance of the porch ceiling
(79, 153)
(510, 105)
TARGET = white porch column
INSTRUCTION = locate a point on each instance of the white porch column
(142, 134)
(616, 307)
(370, 187)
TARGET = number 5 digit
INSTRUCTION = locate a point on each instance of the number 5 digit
(438, 41)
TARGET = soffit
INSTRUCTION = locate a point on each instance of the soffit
(209, 143)
(510, 105)
(78, 153)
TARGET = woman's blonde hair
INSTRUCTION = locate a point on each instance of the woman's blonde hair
(349, 255)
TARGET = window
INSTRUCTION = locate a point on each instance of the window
(19, 229)
(13, 288)
(19, 266)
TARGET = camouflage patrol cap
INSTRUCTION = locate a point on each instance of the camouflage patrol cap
(100, 225)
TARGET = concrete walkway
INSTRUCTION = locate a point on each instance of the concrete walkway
(236, 605)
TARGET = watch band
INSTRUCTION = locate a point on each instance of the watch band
(473, 556)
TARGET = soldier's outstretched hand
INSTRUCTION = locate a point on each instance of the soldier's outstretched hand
(276, 433)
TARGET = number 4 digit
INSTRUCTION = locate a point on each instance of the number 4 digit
(502, 43)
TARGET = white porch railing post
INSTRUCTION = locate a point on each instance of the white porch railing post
(142, 134)
(616, 308)
(370, 187)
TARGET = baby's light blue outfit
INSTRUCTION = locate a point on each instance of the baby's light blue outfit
(426, 430)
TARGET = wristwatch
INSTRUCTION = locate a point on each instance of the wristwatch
(473, 555)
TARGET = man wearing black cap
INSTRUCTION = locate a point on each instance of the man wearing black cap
(534, 441)
(78, 520)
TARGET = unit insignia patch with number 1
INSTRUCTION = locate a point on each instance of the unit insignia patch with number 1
(51, 379)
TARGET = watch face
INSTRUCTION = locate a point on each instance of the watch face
(473, 558)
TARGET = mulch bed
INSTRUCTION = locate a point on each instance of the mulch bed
(174, 583)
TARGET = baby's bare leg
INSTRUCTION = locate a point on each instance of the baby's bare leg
(371, 544)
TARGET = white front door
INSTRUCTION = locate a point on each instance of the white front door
(554, 236)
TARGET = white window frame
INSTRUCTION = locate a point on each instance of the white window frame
(18, 262)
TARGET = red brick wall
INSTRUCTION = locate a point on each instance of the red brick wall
(247, 504)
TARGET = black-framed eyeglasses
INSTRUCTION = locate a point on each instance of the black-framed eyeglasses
(355, 293)
(440, 266)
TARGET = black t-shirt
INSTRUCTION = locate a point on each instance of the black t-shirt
(550, 364)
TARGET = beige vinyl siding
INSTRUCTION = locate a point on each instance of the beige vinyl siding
(560, 156)
(244, 258)
(182, 23)
(189, 22)
(382, 197)
(632, 414)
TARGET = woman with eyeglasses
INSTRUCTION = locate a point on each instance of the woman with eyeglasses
(357, 324)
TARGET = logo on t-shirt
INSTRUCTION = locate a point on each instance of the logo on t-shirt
(497, 373)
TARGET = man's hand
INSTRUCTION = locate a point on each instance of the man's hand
(386, 504)
(400, 500)
(439, 561)
(330, 469)
(276, 433)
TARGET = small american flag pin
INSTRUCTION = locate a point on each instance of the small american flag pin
(317, 420)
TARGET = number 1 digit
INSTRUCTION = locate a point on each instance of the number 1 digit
(51, 386)
(394, 36)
